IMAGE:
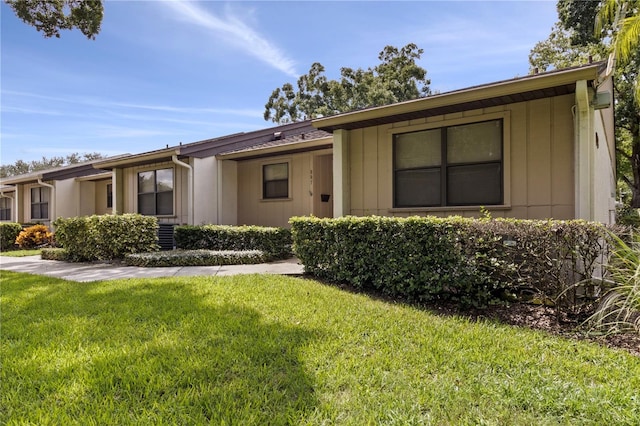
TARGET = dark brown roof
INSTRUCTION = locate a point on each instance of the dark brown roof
(273, 136)
(287, 140)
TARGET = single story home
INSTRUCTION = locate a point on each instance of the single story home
(40, 197)
(262, 177)
(534, 147)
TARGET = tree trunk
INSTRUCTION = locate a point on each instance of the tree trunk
(635, 166)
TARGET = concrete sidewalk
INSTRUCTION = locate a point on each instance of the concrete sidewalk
(85, 272)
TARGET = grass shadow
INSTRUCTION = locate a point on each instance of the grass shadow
(141, 352)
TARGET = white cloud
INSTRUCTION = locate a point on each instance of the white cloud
(237, 31)
(181, 110)
(109, 104)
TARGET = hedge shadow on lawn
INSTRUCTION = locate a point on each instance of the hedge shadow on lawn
(150, 352)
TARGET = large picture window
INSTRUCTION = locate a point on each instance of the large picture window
(449, 166)
(40, 203)
(155, 192)
(275, 181)
(5, 208)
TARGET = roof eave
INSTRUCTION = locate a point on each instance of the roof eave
(138, 159)
(274, 150)
(463, 96)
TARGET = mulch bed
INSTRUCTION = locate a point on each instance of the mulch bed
(534, 316)
(540, 317)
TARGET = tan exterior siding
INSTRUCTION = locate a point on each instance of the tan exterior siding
(97, 189)
(254, 210)
(129, 201)
(538, 161)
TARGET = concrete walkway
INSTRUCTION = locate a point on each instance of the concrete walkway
(85, 272)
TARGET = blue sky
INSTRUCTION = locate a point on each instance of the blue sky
(163, 72)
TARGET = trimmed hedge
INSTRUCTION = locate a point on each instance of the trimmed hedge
(9, 231)
(56, 253)
(195, 258)
(472, 261)
(274, 242)
(106, 237)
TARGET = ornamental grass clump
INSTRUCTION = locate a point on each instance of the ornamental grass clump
(35, 236)
(619, 308)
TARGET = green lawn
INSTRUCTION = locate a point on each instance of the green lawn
(270, 350)
(21, 253)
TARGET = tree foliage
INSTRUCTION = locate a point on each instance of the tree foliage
(558, 51)
(622, 18)
(21, 167)
(576, 37)
(396, 78)
(51, 16)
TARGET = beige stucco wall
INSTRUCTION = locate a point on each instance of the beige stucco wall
(205, 191)
(253, 210)
(128, 200)
(67, 198)
(538, 162)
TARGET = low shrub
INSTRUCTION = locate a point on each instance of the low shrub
(416, 259)
(106, 237)
(472, 261)
(195, 258)
(274, 242)
(35, 236)
(54, 253)
(9, 231)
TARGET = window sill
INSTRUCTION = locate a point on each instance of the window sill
(448, 208)
(272, 200)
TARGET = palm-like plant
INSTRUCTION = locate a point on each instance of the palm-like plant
(619, 309)
(624, 18)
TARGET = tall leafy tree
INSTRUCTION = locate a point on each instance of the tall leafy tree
(21, 167)
(52, 16)
(576, 37)
(623, 19)
(397, 78)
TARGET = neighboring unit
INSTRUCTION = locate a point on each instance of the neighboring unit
(258, 178)
(40, 197)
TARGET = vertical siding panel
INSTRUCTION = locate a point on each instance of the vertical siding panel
(539, 155)
(518, 166)
(130, 188)
(356, 170)
(370, 158)
(562, 193)
(385, 170)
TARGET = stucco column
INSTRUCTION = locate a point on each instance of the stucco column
(227, 192)
(341, 184)
(583, 153)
